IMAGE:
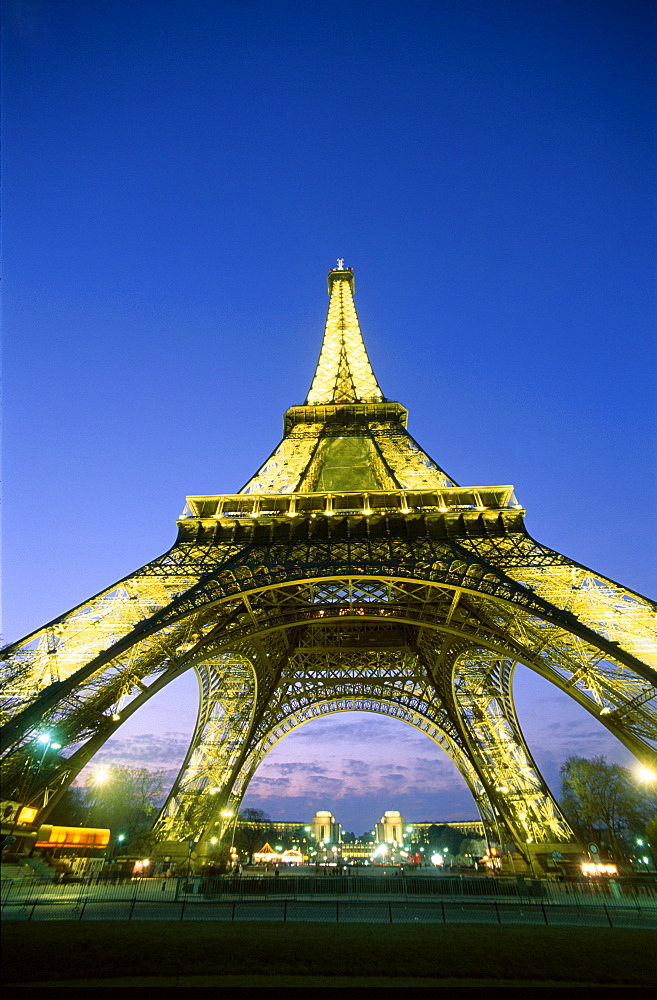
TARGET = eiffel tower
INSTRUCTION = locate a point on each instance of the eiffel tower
(350, 573)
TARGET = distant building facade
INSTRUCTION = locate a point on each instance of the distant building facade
(322, 837)
(325, 829)
(469, 828)
(391, 828)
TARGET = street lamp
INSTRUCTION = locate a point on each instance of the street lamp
(119, 840)
(46, 741)
(48, 744)
(98, 777)
(192, 845)
(228, 814)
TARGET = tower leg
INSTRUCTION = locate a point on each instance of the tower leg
(522, 801)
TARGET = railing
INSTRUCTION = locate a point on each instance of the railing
(279, 505)
(368, 899)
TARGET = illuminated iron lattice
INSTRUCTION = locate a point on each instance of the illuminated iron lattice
(351, 573)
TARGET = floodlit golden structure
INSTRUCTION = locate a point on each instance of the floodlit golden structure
(350, 573)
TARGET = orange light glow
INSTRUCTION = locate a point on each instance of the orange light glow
(26, 815)
(72, 836)
(599, 869)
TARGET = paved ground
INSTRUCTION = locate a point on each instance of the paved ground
(373, 898)
(84, 906)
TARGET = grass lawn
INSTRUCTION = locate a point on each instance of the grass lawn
(36, 953)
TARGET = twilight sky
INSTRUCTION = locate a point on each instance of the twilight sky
(179, 176)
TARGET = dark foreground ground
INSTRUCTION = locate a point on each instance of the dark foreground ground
(269, 955)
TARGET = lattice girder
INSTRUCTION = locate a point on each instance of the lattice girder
(332, 666)
(317, 619)
(484, 709)
(344, 373)
(213, 572)
(227, 705)
(395, 459)
(506, 629)
(318, 706)
(316, 680)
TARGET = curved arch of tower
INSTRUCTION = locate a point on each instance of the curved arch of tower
(350, 573)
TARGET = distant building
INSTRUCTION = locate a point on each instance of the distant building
(469, 828)
(288, 831)
(356, 852)
(391, 828)
(324, 828)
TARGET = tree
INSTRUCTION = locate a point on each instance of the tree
(253, 829)
(472, 847)
(651, 837)
(126, 800)
(70, 810)
(604, 803)
(445, 838)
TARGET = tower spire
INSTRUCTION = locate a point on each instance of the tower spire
(344, 373)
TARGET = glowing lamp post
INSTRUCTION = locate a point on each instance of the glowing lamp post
(24, 813)
(97, 778)
(117, 843)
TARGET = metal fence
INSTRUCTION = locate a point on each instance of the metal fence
(369, 899)
(334, 911)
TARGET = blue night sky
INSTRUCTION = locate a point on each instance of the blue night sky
(178, 178)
